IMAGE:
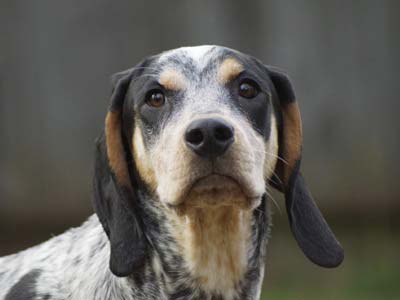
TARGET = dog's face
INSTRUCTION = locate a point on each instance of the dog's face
(202, 127)
(204, 130)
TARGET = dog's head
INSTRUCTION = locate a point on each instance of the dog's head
(202, 127)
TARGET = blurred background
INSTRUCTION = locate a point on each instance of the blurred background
(56, 58)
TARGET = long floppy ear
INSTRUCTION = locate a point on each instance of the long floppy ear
(308, 226)
(115, 200)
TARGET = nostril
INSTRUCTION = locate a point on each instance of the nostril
(223, 133)
(209, 138)
(194, 136)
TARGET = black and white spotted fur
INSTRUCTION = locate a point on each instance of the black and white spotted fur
(129, 249)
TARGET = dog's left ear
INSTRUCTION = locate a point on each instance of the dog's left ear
(308, 225)
(115, 198)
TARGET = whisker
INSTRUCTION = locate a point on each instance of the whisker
(274, 201)
(277, 177)
(259, 210)
(274, 155)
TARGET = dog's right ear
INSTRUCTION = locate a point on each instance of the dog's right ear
(307, 223)
(115, 199)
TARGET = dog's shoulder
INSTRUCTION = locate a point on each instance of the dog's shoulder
(25, 288)
(49, 267)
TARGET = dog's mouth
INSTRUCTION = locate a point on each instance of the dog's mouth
(214, 183)
(216, 190)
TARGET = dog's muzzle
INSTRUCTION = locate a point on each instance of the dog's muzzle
(213, 160)
(209, 138)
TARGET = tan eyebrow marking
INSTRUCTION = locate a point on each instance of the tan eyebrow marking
(229, 69)
(171, 79)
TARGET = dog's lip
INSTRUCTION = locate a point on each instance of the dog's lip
(214, 174)
(199, 179)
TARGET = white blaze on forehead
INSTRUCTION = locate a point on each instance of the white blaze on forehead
(198, 54)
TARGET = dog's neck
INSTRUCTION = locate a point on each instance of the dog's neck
(213, 251)
(215, 243)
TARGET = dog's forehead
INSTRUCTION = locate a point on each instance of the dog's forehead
(200, 56)
(198, 60)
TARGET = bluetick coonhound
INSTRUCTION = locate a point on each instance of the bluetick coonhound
(193, 140)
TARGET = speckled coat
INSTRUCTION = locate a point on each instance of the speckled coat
(193, 139)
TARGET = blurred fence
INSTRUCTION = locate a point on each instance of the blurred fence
(56, 58)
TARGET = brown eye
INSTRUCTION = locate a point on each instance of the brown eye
(155, 98)
(248, 89)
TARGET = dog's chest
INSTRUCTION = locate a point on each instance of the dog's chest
(214, 256)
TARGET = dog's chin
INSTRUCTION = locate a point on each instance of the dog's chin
(216, 191)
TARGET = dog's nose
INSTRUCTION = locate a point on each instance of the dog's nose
(209, 138)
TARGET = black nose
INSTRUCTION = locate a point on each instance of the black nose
(209, 138)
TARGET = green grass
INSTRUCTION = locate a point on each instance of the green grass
(370, 271)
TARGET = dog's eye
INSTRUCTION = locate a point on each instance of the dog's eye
(155, 98)
(248, 89)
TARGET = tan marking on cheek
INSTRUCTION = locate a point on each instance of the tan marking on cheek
(228, 70)
(292, 137)
(142, 160)
(172, 80)
(115, 150)
(271, 150)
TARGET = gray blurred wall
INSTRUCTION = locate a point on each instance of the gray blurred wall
(56, 58)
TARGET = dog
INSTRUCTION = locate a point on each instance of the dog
(194, 140)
